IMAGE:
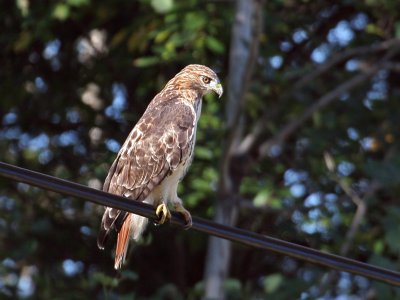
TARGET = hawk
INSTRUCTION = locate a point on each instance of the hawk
(156, 156)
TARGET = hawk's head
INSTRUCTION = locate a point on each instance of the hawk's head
(198, 77)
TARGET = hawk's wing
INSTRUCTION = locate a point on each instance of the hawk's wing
(159, 142)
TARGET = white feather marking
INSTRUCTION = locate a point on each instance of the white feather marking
(139, 223)
(139, 134)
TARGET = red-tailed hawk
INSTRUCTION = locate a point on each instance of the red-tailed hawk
(156, 156)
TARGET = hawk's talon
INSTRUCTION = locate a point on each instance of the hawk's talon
(188, 223)
(186, 215)
(163, 213)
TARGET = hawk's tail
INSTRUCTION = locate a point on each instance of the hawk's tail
(134, 225)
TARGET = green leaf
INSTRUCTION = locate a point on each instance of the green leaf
(374, 29)
(262, 198)
(146, 61)
(214, 45)
(162, 6)
(162, 36)
(104, 280)
(78, 2)
(194, 22)
(232, 288)
(23, 6)
(272, 282)
(378, 247)
(23, 41)
(203, 152)
(61, 11)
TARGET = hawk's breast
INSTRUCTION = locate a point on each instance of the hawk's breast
(187, 161)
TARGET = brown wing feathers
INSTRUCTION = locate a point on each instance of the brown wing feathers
(111, 214)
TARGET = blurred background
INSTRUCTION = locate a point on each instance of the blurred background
(303, 146)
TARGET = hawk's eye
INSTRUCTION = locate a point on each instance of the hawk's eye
(206, 79)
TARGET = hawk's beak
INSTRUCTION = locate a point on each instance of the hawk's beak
(218, 89)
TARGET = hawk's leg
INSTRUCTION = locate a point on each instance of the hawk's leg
(163, 213)
(184, 212)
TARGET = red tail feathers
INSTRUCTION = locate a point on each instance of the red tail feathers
(122, 242)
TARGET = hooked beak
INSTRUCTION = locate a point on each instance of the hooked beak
(218, 89)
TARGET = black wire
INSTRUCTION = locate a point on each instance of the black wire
(230, 233)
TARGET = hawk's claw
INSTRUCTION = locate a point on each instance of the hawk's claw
(163, 213)
(187, 216)
(188, 223)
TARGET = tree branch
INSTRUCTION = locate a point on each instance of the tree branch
(357, 200)
(323, 101)
(358, 215)
(345, 55)
(250, 140)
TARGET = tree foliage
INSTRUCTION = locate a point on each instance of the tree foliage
(315, 159)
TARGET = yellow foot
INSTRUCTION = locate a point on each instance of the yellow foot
(186, 215)
(163, 213)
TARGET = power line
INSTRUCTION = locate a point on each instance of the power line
(230, 233)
